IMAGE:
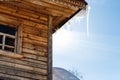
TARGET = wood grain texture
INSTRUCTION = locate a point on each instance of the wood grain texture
(50, 48)
(35, 21)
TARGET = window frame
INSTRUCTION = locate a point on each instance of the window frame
(18, 40)
(4, 45)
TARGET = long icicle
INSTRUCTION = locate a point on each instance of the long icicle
(88, 13)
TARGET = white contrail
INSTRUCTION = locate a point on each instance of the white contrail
(88, 12)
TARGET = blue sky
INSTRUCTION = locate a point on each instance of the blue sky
(97, 56)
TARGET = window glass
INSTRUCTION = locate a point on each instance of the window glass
(9, 49)
(10, 41)
(1, 39)
(7, 30)
(0, 47)
(7, 38)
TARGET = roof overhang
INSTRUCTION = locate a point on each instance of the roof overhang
(73, 6)
(60, 10)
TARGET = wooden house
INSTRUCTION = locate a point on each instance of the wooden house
(26, 28)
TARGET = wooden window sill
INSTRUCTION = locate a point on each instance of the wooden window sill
(10, 54)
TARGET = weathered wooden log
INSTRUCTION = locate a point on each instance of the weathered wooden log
(25, 50)
(34, 37)
(35, 57)
(35, 47)
(17, 15)
(15, 71)
(35, 31)
(41, 65)
(10, 54)
(23, 67)
(42, 9)
(27, 40)
(18, 21)
(13, 77)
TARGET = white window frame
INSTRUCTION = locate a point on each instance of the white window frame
(18, 39)
(3, 45)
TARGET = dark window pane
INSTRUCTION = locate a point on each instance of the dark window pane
(9, 41)
(1, 37)
(0, 47)
(9, 49)
(7, 30)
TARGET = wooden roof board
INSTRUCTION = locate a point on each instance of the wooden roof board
(38, 10)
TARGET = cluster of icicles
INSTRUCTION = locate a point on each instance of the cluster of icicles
(80, 15)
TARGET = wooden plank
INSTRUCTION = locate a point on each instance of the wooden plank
(18, 21)
(15, 72)
(27, 40)
(22, 11)
(40, 5)
(39, 26)
(44, 34)
(17, 15)
(3, 22)
(35, 47)
(59, 4)
(19, 39)
(41, 65)
(8, 18)
(35, 58)
(28, 57)
(25, 50)
(35, 31)
(52, 5)
(28, 18)
(46, 7)
(23, 67)
(32, 30)
(3, 42)
(50, 48)
(13, 77)
(10, 54)
(34, 37)
(57, 21)
(39, 9)
(78, 4)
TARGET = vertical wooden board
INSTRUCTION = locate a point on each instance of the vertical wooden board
(50, 48)
(19, 39)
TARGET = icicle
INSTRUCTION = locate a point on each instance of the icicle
(88, 12)
(69, 25)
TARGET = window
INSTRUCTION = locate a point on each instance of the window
(7, 38)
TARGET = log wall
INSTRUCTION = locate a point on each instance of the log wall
(31, 60)
(34, 63)
(35, 21)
